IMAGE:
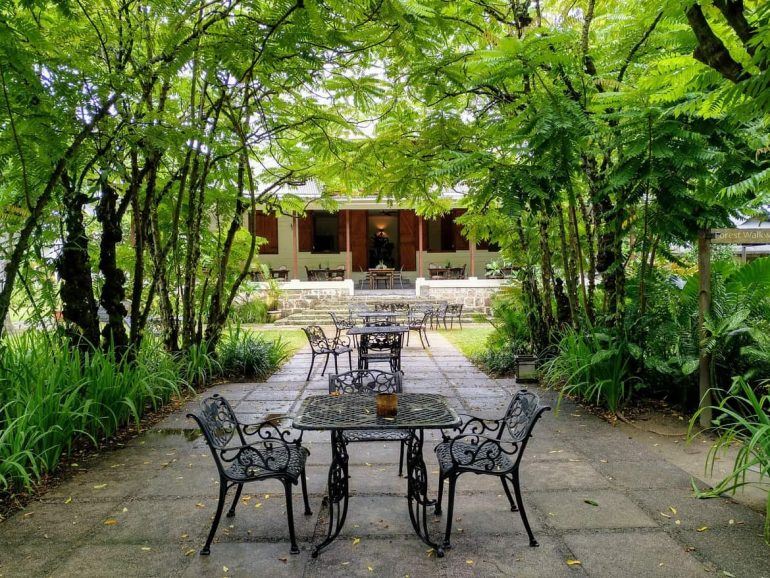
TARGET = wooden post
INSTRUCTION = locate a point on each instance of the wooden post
(348, 254)
(704, 305)
(295, 245)
(419, 246)
(472, 249)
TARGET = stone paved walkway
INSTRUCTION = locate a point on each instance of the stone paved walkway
(144, 510)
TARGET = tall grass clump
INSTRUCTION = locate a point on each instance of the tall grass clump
(594, 367)
(243, 354)
(51, 394)
(743, 422)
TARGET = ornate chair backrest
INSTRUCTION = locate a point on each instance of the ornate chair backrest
(521, 415)
(381, 342)
(317, 338)
(365, 381)
(218, 423)
(340, 323)
(382, 306)
(418, 314)
(454, 308)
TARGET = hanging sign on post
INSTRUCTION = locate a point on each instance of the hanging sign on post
(741, 236)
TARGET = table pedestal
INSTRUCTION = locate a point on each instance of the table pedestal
(337, 498)
(417, 489)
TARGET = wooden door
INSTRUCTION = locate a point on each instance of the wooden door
(358, 239)
(407, 239)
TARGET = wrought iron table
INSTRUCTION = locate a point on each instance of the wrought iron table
(377, 329)
(370, 317)
(337, 414)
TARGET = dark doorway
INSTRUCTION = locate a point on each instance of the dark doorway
(383, 238)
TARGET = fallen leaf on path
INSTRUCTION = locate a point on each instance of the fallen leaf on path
(100, 486)
(68, 500)
(665, 515)
(110, 522)
(702, 529)
(200, 505)
(356, 541)
(591, 502)
(673, 509)
(190, 552)
(571, 562)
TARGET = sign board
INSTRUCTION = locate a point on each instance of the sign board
(741, 236)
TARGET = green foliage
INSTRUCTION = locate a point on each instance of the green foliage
(249, 311)
(742, 423)
(51, 395)
(593, 367)
(243, 354)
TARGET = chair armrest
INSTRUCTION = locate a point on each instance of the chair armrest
(260, 458)
(341, 341)
(479, 449)
(476, 425)
(271, 430)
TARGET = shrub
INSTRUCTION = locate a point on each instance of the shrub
(245, 355)
(250, 311)
(594, 367)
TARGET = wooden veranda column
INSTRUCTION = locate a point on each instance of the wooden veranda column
(348, 252)
(704, 305)
(472, 249)
(295, 245)
(419, 246)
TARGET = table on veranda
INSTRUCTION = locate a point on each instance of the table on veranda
(338, 414)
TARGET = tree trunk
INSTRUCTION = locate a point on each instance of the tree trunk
(74, 268)
(113, 290)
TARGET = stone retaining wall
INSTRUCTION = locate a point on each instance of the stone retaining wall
(474, 294)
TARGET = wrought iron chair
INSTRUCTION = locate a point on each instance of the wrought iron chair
(380, 348)
(322, 345)
(416, 320)
(273, 454)
(370, 381)
(341, 324)
(489, 447)
(437, 313)
(453, 311)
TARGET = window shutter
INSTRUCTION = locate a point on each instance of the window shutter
(263, 225)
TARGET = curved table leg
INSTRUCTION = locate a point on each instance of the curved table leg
(337, 499)
(417, 490)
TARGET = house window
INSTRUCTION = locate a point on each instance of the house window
(440, 233)
(325, 232)
(263, 225)
(490, 246)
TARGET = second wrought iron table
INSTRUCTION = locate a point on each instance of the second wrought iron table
(416, 413)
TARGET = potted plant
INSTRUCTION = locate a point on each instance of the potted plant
(272, 294)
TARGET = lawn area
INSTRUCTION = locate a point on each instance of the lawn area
(471, 342)
(293, 338)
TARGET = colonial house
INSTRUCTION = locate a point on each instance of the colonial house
(366, 233)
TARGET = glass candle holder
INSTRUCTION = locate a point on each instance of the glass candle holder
(387, 404)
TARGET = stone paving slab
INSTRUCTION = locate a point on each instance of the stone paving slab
(145, 509)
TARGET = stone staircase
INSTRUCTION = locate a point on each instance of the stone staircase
(318, 313)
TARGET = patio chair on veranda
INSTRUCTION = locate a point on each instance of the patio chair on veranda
(322, 345)
(245, 453)
(371, 381)
(491, 447)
